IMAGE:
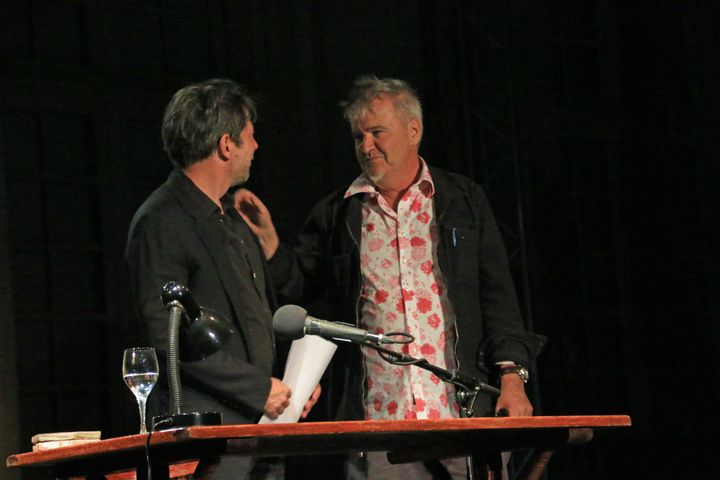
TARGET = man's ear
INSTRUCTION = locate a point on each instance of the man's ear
(223, 147)
(415, 129)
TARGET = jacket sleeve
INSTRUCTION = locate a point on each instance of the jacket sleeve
(298, 273)
(505, 337)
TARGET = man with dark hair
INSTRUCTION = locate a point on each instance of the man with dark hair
(187, 232)
(411, 248)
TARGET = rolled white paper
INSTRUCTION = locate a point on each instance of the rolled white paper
(306, 363)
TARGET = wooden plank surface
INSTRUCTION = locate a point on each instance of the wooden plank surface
(360, 429)
(398, 426)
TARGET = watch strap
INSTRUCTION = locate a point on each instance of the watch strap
(518, 370)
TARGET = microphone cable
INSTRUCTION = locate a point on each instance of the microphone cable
(391, 356)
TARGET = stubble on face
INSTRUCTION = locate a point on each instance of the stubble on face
(244, 154)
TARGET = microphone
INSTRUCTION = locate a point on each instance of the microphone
(293, 322)
(175, 292)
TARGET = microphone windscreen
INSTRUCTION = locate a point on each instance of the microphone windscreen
(289, 322)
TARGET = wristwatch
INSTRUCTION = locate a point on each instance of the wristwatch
(518, 370)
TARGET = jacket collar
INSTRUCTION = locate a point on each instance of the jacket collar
(197, 205)
(446, 190)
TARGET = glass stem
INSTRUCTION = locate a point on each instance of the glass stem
(141, 406)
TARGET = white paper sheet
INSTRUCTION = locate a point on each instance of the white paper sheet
(306, 363)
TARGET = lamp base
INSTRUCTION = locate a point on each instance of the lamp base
(181, 420)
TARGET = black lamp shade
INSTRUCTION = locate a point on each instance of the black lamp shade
(204, 336)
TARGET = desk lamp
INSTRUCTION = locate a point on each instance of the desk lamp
(194, 333)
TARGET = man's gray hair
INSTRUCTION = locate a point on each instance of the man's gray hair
(199, 114)
(369, 87)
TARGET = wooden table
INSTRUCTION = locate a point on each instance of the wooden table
(178, 452)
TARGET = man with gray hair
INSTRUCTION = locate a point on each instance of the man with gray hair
(188, 231)
(411, 248)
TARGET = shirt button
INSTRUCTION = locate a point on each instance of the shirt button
(254, 275)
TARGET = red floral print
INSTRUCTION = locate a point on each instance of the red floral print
(402, 291)
(381, 296)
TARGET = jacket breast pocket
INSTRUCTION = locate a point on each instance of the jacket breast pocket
(460, 251)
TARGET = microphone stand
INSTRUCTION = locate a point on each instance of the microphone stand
(468, 387)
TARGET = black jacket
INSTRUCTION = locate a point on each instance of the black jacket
(174, 236)
(471, 256)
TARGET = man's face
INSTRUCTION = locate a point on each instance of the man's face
(386, 145)
(242, 155)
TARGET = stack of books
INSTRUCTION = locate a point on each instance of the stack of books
(48, 441)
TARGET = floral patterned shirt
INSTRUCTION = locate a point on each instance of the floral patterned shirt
(403, 290)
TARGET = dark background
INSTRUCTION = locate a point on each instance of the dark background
(593, 125)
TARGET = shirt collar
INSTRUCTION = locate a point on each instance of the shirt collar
(198, 202)
(362, 184)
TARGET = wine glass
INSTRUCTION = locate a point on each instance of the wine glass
(140, 372)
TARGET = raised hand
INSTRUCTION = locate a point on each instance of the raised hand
(258, 218)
